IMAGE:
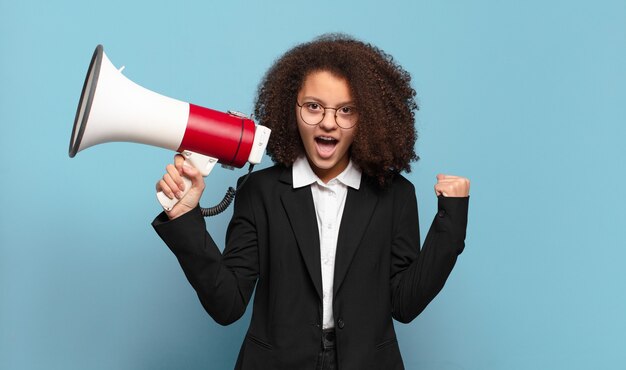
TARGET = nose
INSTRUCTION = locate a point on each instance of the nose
(328, 122)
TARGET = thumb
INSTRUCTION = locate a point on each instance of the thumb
(193, 174)
(440, 190)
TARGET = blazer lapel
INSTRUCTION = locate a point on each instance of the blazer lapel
(298, 204)
(356, 217)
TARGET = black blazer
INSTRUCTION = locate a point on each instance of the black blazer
(272, 241)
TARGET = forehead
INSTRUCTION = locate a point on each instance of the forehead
(325, 87)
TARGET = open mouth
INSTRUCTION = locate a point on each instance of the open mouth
(325, 145)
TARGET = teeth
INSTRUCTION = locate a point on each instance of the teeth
(326, 138)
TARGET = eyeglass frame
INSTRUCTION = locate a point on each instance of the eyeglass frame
(324, 114)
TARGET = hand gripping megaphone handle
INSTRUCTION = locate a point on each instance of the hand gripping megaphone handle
(202, 163)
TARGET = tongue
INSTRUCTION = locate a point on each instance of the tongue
(326, 146)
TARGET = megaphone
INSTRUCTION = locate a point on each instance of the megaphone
(114, 108)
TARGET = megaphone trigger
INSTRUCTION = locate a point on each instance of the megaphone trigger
(202, 163)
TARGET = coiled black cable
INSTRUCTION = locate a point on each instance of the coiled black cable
(227, 200)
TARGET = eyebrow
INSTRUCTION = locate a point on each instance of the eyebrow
(307, 99)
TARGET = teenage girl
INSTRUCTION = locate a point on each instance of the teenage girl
(329, 235)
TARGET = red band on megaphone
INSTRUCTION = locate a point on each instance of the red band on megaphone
(220, 135)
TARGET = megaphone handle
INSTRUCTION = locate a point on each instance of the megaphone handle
(168, 203)
(202, 163)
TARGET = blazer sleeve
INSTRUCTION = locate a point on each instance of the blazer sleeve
(417, 276)
(223, 282)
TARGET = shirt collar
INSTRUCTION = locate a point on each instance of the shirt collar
(303, 174)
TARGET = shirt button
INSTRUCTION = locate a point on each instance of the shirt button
(441, 213)
(340, 323)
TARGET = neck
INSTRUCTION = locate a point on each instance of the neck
(327, 174)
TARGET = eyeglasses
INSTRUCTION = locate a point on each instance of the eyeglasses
(313, 113)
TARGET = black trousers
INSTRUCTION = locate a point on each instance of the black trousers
(327, 358)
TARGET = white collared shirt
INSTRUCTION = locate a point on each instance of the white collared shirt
(329, 200)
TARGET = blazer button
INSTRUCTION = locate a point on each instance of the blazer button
(340, 323)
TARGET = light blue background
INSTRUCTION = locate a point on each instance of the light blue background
(526, 98)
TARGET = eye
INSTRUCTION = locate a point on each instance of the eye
(313, 107)
(348, 110)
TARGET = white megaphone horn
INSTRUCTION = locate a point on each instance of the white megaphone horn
(114, 108)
